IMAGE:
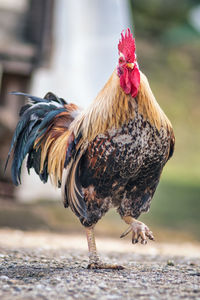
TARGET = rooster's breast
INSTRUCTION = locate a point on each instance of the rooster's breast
(123, 165)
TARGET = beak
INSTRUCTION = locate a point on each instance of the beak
(130, 65)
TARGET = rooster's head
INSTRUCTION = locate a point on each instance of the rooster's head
(127, 69)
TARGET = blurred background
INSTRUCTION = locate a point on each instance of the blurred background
(70, 48)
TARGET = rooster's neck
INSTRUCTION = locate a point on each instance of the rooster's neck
(110, 109)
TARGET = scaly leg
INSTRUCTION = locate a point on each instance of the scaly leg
(94, 260)
(139, 231)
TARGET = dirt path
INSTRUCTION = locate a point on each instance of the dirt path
(49, 266)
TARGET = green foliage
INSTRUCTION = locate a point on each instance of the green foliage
(156, 19)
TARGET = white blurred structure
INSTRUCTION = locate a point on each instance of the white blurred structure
(194, 17)
(86, 34)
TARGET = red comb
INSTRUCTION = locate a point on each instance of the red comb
(127, 45)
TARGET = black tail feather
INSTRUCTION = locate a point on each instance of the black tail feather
(34, 119)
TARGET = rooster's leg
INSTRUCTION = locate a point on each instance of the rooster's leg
(94, 260)
(93, 256)
(139, 231)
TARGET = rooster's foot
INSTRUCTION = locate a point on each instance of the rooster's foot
(140, 232)
(94, 260)
(100, 265)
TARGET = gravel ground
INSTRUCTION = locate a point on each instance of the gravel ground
(57, 271)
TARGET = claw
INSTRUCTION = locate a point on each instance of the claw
(150, 235)
(134, 241)
(144, 242)
(126, 232)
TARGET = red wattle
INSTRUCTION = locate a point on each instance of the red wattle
(130, 81)
(135, 82)
(125, 82)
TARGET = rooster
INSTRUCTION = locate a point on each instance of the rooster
(110, 155)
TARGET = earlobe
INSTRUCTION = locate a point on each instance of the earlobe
(119, 71)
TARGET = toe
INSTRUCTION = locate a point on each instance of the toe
(92, 266)
(126, 232)
(144, 242)
(96, 266)
(134, 237)
(143, 238)
(149, 234)
(134, 241)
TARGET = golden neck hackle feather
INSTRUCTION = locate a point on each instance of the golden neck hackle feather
(149, 108)
(110, 109)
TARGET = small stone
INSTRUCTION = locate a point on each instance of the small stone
(170, 263)
(102, 286)
(4, 278)
(196, 291)
(17, 289)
